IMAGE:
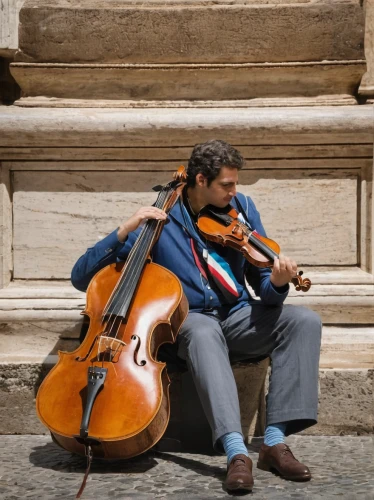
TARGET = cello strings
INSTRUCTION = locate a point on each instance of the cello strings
(127, 278)
(125, 293)
(121, 292)
(129, 260)
(128, 294)
(124, 272)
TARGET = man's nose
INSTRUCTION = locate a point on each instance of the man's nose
(233, 191)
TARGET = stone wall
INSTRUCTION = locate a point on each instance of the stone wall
(185, 51)
(115, 95)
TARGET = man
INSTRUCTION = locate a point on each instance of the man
(224, 321)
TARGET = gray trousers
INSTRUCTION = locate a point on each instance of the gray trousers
(290, 335)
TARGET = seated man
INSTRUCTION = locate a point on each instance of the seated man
(225, 320)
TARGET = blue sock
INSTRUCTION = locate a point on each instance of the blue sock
(274, 434)
(233, 444)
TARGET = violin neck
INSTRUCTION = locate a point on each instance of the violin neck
(262, 247)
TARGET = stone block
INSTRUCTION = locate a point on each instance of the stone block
(167, 127)
(86, 206)
(192, 82)
(9, 27)
(126, 32)
(346, 402)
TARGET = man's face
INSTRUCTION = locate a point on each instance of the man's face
(222, 189)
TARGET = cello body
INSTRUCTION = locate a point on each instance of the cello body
(131, 410)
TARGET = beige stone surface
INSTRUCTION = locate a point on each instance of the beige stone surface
(346, 399)
(347, 347)
(273, 153)
(346, 402)
(6, 261)
(56, 218)
(180, 127)
(39, 341)
(250, 381)
(366, 229)
(337, 304)
(9, 26)
(272, 102)
(121, 33)
(189, 82)
(367, 83)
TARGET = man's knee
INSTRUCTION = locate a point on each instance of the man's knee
(304, 321)
(201, 340)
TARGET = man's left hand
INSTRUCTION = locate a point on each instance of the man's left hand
(284, 269)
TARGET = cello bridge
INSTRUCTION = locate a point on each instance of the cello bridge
(109, 348)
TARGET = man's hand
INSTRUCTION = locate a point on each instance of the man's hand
(138, 218)
(284, 269)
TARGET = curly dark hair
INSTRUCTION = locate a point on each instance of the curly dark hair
(208, 159)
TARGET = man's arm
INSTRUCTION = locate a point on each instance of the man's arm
(106, 251)
(270, 285)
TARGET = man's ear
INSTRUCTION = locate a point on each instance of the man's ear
(201, 180)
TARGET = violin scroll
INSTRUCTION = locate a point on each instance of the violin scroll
(300, 283)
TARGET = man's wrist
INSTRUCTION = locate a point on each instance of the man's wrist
(122, 233)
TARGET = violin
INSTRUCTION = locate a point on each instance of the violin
(110, 397)
(225, 228)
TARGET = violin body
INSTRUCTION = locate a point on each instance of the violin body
(234, 236)
(224, 227)
(131, 411)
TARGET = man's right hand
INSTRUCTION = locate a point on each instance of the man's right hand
(137, 219)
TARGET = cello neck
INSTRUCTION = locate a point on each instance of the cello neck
(120, 300)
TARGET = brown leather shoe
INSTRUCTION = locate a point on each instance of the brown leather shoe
(280, 458)
(239, 474)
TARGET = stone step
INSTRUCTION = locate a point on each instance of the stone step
(346, 399)
(191, 32)
(261, 82)
(336, 304)
(39, 341)
(172, 50)
(110, 127)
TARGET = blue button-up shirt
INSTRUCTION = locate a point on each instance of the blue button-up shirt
(173, 251)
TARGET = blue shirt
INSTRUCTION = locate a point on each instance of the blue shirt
(173, 251)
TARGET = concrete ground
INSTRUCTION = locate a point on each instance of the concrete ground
(33, 467)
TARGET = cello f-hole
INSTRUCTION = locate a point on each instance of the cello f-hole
(143, 362)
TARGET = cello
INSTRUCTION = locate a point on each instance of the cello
(110, 397)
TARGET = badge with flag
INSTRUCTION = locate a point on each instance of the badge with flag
(222, 275)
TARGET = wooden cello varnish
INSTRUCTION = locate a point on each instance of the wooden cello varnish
(111, 395)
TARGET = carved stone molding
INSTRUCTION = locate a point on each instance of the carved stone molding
(367, 83)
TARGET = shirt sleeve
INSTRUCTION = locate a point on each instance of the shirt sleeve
(105, 252)
(259, 278)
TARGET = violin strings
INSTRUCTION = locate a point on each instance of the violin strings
(268, 251)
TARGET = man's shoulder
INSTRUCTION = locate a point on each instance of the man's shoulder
(245, 203)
